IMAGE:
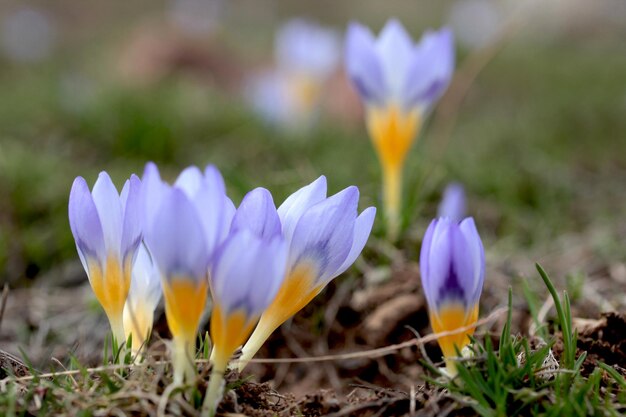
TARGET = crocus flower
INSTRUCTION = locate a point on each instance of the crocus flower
(107, 230)
(143, 298)
(325, 236)
(453, 203)
(185, 223)
(288, 94)
(248, 270)
(452, 266)
(399, 82)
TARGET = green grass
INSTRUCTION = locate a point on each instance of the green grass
(550, 132)
(510, 378)
(517, 380)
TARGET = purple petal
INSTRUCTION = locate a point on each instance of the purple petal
(452, 204)
(461, 276)
(248, 271)
(439, 262)
(85, 223)
(189, 180)
(476, 254)
(430, 69)
(209, 203)
(176, 239)
(107, 201)
(362, 229)
(298, 203)
(363, 64)
(305, 47)
(325, 232)
(424, 262)
(133, 230)
(213, 176)
(152, 190)
(257, 213)
(395, 49)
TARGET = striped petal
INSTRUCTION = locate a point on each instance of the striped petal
(430, 69)
(477, 254)
(248, 271)
(324, 234)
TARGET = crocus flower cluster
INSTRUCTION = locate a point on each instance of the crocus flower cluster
(399, 82)
(288, 95)
(260, 264)
(452, 266)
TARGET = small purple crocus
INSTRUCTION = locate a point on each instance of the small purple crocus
(248, 270)
(107, 229)
(288, 95)
(324, 235)
(399, 82)
(452, 266)
(184, 225)
(452, 204)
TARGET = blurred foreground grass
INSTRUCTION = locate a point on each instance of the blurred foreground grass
(539, 144)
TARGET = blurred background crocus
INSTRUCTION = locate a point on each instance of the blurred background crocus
(184, 224)
(143, 298)
(452, 267)
(107, 229)
(288, 95)
(453, 204)
(324, 237)
(399, 82)
(248, 270)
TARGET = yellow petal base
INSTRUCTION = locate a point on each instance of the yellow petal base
(184, 303)
(297, 291)
(111, 289)
(228, 332)
(451, 317)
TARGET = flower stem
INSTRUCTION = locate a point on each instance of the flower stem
(182, 361)
(392, 198)
(262, 332)
(215, 389)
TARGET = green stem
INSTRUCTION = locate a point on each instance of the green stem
(215, 389)
(392, 198)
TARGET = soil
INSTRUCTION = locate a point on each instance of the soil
(352, 315)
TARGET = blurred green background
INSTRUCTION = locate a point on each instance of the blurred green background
(538, 140)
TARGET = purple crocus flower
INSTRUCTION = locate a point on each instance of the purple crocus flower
(107, 229)
(324, 235)
(452, 266)
(452, 204)
(288, 95)
(248, 270)
(393, 69)
(184, 225)
(399, 82)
